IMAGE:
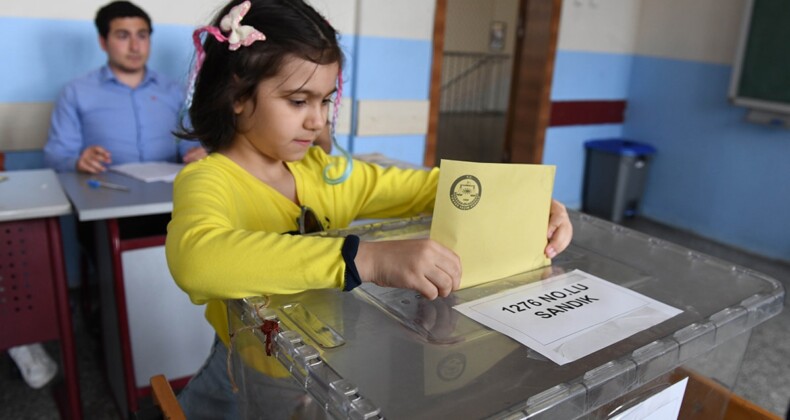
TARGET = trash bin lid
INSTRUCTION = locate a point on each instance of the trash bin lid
(620, 147)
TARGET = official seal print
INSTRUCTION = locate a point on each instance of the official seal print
(465, 192)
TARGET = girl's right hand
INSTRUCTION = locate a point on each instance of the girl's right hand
(418, 264)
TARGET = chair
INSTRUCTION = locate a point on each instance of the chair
(165, 398)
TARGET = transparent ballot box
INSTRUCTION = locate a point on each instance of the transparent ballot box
(388, 353)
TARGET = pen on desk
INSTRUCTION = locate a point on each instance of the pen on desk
(95, 183)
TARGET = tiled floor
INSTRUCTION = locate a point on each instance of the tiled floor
(764, 378)
(18, 401)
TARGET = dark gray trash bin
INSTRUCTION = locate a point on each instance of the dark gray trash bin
(614, 177)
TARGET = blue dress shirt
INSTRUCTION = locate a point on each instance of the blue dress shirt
(134, 125)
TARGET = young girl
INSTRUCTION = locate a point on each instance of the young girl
(269, 74)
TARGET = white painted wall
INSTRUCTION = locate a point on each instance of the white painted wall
(468, 24)
(188, 12)
(404, 19)
(600, 25)
(698, 30)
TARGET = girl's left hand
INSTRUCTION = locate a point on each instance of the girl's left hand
(560, 229)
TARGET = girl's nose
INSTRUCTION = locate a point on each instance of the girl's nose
(316, 120)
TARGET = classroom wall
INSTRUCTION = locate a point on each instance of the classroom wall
(59, 44)
(392, 78)
(714, 174)
(594, 58)
(393, 41)
(49, 42)
(468, 23)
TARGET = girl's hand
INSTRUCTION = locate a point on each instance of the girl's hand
(418, 264)
(560, 229)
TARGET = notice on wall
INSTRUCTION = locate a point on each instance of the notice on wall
(568, 316)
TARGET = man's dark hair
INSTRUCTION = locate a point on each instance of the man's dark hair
(118, 9)
(292, 29)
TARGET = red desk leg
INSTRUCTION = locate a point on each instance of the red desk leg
(123, 320)
(72, 408)
(34, 305)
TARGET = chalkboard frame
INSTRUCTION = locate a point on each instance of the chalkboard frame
(736, 96)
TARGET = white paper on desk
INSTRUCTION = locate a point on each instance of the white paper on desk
(568, 316)
(149, 171)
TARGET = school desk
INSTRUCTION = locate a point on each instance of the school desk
(387, 353)
(34, 305)
(149, 326)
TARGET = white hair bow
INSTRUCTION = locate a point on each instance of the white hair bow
(239, 34)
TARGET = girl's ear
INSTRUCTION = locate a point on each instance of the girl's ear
(238, 107)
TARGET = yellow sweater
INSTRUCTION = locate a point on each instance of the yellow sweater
(226, 241)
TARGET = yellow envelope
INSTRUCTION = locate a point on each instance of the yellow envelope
(494, 216)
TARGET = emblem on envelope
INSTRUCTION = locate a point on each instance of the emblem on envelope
(465, 192)
(499, 233)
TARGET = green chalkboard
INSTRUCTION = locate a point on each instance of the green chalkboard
(765, 68)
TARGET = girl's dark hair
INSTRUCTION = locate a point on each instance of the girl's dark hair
(291, 27)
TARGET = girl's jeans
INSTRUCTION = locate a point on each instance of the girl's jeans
(209, 394)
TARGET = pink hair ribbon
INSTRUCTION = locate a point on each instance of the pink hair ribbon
(349, 160)
(238, 35)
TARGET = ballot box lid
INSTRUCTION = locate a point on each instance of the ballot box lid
(381, 352)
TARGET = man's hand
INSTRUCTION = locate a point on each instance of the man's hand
(560, 229)
(94, 160)
(194, 154)
(419, 264)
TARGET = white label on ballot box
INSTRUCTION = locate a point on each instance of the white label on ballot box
(568, 316)
(663, 406)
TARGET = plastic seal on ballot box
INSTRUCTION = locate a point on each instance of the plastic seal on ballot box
(609, 381)
(563, 401)
(729, 322)
(655, 359)
(695, 339)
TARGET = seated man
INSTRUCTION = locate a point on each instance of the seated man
(123, 111)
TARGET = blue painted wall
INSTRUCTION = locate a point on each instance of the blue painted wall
(388, 69)
(714, 174)
(56, 51)
(580, 75)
